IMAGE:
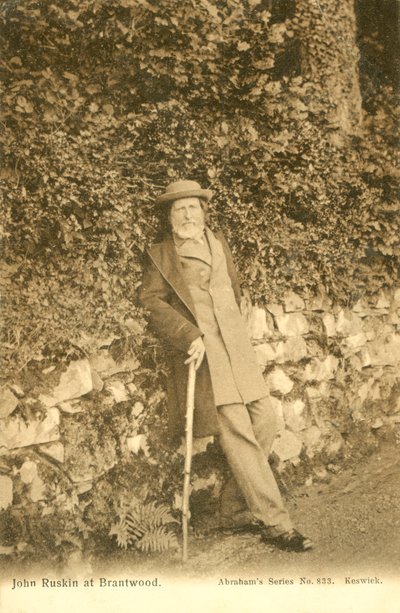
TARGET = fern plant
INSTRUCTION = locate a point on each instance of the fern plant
(145, 526)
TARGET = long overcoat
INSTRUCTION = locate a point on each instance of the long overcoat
(172, 314)
(168, 292)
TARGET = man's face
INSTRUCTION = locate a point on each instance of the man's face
(187, 217)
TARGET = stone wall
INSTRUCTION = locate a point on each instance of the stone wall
(332, 372)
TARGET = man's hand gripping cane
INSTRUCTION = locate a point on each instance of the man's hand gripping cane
(196, 352)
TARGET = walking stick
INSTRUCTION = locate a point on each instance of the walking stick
(188, 456)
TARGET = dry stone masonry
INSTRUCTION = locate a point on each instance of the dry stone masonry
(324, 384)
(332, 373)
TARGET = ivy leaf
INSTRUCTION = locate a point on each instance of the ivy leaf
(213, 11)
(23, 105)
(71, 77)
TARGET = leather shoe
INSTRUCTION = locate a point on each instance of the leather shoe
(291, 540)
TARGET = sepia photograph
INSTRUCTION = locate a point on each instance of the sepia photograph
(200, 306)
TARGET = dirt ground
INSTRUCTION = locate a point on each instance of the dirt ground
(354, 522)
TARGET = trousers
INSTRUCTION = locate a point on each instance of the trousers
(246, 434)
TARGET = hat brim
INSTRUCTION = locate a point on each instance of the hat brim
(205, 194)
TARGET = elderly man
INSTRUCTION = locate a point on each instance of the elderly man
(191, 291)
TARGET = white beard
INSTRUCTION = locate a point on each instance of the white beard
(191, 230)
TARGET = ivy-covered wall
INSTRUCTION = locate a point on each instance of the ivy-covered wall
(104, 104)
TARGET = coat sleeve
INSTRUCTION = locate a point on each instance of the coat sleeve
(166, 321)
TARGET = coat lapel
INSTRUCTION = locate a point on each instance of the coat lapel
(167, 261)
(220, 250)
(190, 249)
(217, 252)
